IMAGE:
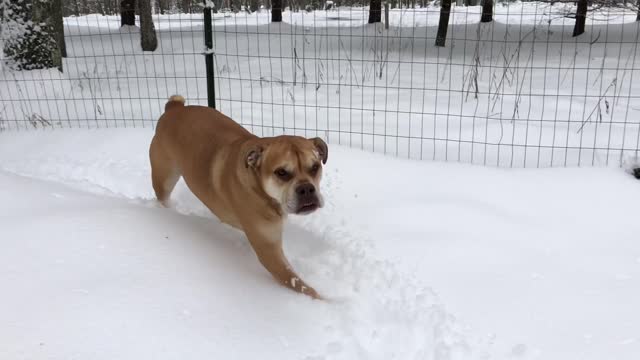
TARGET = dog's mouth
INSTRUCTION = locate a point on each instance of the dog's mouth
(307, 207)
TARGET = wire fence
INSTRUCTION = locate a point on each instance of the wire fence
(519, 91)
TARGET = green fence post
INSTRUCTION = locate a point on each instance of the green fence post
(208, 42)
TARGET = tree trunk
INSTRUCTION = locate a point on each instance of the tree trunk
(276, 10)
(581, 16)
(113, 7)
(186, 6)
(58, 26)
(487, 11)
(254, 6)
(76, 8)
(638, 6)
(128, 12)
(45, 13)
(445, 10)
(375, 11)
(148, 38)
(101, 9)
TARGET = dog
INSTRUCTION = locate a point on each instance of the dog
(248, 182)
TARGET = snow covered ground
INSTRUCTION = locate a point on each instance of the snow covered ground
(514, 13)
(518, 92)
(421, 260)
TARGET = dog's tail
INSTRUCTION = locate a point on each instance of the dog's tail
(174, 101)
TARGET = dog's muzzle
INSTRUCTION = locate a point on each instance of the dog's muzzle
(307, 199)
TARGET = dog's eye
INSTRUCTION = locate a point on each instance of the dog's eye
(315, 168)
(282, 174)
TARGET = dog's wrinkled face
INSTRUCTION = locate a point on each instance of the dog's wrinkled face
(290, 170)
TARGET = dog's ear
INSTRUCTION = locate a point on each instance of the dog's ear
(253, 156)
(323, 149)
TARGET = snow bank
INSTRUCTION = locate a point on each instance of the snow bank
(420, 260)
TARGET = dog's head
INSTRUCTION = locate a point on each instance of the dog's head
(289, 169)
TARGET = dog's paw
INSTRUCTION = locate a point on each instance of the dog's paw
(168, 204)
(311, 293)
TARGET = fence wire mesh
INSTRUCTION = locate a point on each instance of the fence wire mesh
(519, 91)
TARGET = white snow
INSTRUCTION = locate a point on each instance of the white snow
(343, 16)
(420, 260)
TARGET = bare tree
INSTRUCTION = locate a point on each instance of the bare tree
(58, 26)
(276, 10)
(375, 11)
(487, 11)
(445, 10)
(76, 8)
(163, 5)
(581, 17)
(148, 38)
(233, 6)
(254, 5)
(186, 6)
(128, 12)
(294, 5)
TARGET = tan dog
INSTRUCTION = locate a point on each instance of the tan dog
(248, 182)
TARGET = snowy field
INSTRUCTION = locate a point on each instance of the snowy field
(423, 260)
(429, 261)
(518, 92)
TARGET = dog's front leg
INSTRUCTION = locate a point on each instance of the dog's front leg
(273, 259)
(267, 243)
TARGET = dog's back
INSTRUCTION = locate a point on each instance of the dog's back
(199, 123)
(187, 140)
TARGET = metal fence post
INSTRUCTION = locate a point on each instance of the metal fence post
(386, 15)
(208, 42)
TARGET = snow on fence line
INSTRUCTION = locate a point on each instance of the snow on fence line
(518, 91)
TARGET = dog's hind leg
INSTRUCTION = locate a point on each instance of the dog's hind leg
(164, 172)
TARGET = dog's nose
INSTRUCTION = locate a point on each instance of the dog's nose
(305, 189)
